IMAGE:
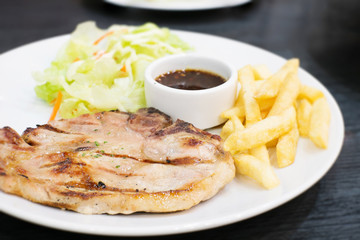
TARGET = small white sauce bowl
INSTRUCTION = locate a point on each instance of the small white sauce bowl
(202, 108)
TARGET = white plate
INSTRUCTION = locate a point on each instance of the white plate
(178, 5)
(239, 200)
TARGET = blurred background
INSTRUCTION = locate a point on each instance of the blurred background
(323, 34)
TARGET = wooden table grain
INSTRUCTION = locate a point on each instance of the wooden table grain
(324, 34)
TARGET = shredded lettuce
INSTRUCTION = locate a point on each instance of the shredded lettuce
(103, 69)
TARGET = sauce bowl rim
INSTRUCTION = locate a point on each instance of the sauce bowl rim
(228, 81)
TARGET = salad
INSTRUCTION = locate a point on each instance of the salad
(103, 69)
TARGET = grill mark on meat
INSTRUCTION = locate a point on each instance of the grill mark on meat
(2, 172)
(154, 111)
(64, 163)
(86, 183)
(85, 148)
(175, 161)
(179, 161)
(31, 132)
(22, 172)
(54, 129)
(83, 195)
(70, 162)
(45, 126)
(187, 161)
(119, 156)
(62, 166)
(193, 142)
(24, 176)
(90, 193)
(181, 126)
(101, 184)
(147, 120)
(27, 132)
(11, 137)
(23, 148)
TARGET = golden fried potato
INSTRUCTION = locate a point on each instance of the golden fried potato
(232, 125)
(261, 71)
(320, 123)
(252, 110)
(286, 147)
(261, 132)
(226, 130)
(234, 111)
(310, 93)
(303, 117)
(272, 143)
(261, 153)
(238, 110)
(276, 109)
(258, 84)
(266, 104)
(270, 86)
(256, 169)
(287, 95)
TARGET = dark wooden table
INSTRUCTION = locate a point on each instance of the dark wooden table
(324, 34)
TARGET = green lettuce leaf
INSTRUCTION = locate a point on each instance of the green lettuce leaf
(103, 69)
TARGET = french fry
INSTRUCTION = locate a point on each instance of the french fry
(261, 71)
(276, 110)
(237, 124)
(261, 153)
(303, 117)
(286, 147)
(232, 125)
(247, 80)
(320, 123)
(237, 111)
(266, 104)
(272, 143)
(270, 86)
(252, 110)
(287, 143)
(264, 114)
(256, 169)
(261, 132)
(287, 95)
(258, 84)
(226, 130)
(310, 93)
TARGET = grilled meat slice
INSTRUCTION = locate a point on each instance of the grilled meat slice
(114, 162)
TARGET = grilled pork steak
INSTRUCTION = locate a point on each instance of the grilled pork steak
(114, 162)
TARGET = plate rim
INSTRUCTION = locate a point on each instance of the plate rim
(229, 219)
(164, 7)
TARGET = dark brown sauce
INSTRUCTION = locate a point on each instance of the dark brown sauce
(190, 79)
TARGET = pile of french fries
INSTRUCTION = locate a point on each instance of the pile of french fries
(272, 111)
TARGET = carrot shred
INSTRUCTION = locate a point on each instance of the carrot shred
(123, 69)
(76, 59)
(99, 55)
(56, 106)
(102, 37)
(52, 101)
